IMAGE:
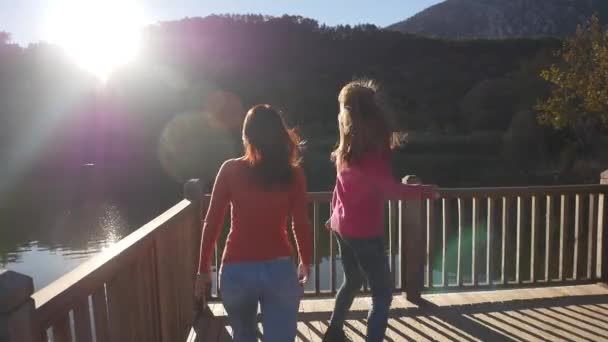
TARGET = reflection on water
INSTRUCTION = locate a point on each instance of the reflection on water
(49, 239)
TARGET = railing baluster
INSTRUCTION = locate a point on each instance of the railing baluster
(332, 263)
(591, 238)
(505, 253)
(62, 330)
(82, 321)
(217, 271)
(602, 240)
(577, 230)
(533, 224)
(459, 279)
(402, 257)
(474, 242)
(445, 226)
(490, 242)
(391, 241)
(430, 240)
(563, 221)
(549, 232)
(315, 249)
(518, 241)
(100, 315)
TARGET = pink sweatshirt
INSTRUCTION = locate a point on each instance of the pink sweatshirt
(357, 207)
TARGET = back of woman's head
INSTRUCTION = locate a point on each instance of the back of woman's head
(270, 147)
(363, 123)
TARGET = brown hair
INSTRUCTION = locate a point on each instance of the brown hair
(363, 123)
(270, 147)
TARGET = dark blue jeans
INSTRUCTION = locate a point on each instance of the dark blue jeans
(274, 286)
(364, 259)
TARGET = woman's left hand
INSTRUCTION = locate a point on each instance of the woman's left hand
(303, 273)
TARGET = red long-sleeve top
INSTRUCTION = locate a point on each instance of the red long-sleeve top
(258, 217)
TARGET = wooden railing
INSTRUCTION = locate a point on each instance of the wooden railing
(479, 238)
(141, 288)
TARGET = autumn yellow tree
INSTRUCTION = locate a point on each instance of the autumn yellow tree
(579, 96)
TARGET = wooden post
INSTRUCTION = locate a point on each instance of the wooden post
(412, 245)
(601, 232)
(16, 307)
(193, 191)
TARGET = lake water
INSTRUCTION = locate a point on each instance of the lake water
(50, 233)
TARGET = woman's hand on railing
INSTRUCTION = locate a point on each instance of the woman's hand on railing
(201, 288)
(303, 273)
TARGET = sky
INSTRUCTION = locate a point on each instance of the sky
(28, 20)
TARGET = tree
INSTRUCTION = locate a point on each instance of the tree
(579, 98)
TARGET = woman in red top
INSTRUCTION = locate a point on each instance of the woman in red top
(263, 188)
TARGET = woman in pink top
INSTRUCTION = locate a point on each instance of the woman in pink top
(364, 182)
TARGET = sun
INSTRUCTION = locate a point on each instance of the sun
(100, 35)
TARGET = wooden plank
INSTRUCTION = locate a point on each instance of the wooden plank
(474, 241)
(459, 280)
(451, 332)
(315, 247)
(563, 221)
(521, 326)
(572, 332)
(353, 332)
(586, 329)
(577, 234)
(533, 237)
(542, 322)
(145, 288)
(549, 233)
(168, 286)
(423, 329)
(529, 325)
(489, 242)
(61, 329)
(506, 329)
(82, 321)
(445, 236)
(121, 304)
(591, 238)
(399, 325)
(100, 315)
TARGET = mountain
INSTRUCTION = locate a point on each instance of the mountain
(500, 19)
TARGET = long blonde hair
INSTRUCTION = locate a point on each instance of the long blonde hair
(363, 123)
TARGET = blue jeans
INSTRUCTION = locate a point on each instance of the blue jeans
(364, 258)
(274, 285)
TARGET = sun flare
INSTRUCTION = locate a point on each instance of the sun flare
(100, 35)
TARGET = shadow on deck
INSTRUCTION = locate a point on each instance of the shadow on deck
(562, 313)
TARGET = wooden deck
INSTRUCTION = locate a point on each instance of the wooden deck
(572, 313)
